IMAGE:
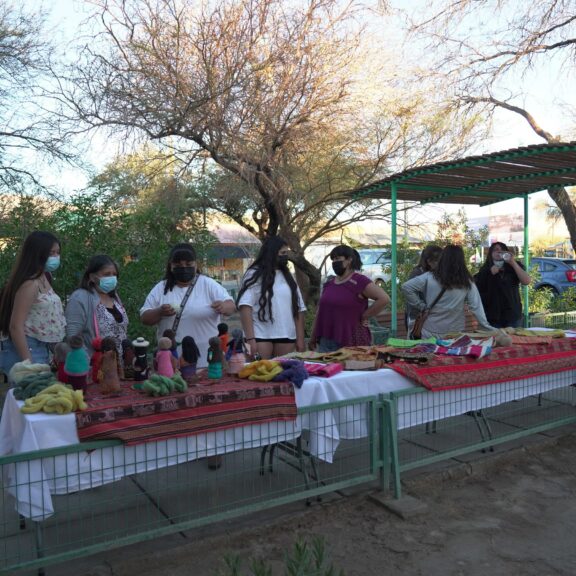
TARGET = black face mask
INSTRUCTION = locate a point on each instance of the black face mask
(338, 267)
(282, 260)
(184, 273)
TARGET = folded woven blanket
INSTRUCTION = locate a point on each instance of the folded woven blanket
(401, 343)
(323, 370)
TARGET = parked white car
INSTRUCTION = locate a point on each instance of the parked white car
(376, 264)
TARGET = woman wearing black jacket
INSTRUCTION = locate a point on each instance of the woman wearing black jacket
(498, 282)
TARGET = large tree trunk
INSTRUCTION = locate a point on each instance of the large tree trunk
(562, 199)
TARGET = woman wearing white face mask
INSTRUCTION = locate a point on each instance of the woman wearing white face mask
(95, 309)
(31, 314)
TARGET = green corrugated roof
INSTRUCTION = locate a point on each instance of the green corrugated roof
(482, 179)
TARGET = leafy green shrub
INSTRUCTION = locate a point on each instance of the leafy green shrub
(94, 223)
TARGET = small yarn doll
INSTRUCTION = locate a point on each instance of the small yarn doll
(214, 358)
(128, 359)
(60, 351)
(223, 335)
(96, 359)
(166, 364)
(189, 359)
(169, 333)
(236, 353)
(77, 364)
(109, 376)
(140, 359)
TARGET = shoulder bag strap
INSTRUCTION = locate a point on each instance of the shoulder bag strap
(437, 298)
(183, 304)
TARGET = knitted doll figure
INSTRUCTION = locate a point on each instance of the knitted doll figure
(140, 359)
(96, 359)
(109, 378)
(223, 335)
(128, 359)
(60, 351)
(214, 358)
(189, 359)
(235, 355)
(169, 333)
(166, 364)
(77, 363)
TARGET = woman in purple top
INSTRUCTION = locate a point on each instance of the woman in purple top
(343, 311)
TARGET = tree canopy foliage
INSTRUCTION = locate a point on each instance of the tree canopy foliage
(29, 130)
(279, 98)
(489, 53)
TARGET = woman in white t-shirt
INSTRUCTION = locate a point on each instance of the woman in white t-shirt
(271, 304)
(187, 302)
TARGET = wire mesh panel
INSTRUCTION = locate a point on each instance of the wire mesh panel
(434, 426)
(560, 320)
(76, 500)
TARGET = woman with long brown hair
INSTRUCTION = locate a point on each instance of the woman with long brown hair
(444, 292)
(31, 313)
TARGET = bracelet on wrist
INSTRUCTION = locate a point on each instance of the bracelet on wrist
(248, 339)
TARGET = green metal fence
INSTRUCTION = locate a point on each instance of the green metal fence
(562, 320)
(93, 497)
(428, 427)
(126, 506)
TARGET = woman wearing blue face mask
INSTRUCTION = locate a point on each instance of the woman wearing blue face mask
(31, 314)
(95, 309)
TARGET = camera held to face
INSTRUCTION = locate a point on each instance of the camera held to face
(506, 256)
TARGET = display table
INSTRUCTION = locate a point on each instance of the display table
(33, 482)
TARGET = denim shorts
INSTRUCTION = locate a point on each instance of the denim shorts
(40, 352)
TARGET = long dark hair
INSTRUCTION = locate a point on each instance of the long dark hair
(347, 252)
(96, 264)
(431, 252)
(183, 251)
(29, 265)
(452, 271)
(190, 352)
(489, 262)
(263, 271)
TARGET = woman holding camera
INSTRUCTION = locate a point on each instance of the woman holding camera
(498, 282)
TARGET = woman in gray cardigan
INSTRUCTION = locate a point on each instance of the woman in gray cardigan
(94, 310)
(448, 313)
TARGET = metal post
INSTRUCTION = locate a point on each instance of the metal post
(526, 259)
(393, 286)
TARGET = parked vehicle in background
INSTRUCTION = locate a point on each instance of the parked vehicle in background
(376, 264)
(557, 274)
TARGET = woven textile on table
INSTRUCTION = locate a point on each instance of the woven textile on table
(502, 365)
(208, 406)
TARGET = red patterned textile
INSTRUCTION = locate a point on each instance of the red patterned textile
(502, 365)
(134, 417)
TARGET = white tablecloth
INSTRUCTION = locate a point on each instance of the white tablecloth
(33, 482)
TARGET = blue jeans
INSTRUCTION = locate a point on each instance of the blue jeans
(327, 345)
(9, 356)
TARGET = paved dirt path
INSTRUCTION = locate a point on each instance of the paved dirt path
(513, 514)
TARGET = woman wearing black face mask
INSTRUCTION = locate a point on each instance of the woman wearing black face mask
(343, 310)
(187, 302)
(270, 303)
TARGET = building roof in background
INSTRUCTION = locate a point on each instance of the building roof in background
(482, 179)
(231, 233)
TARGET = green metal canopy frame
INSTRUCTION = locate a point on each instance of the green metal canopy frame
(479, 180)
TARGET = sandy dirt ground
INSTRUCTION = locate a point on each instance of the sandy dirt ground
(512, 514)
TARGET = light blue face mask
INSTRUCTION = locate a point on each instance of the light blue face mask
(108, 283)
(53, 263)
